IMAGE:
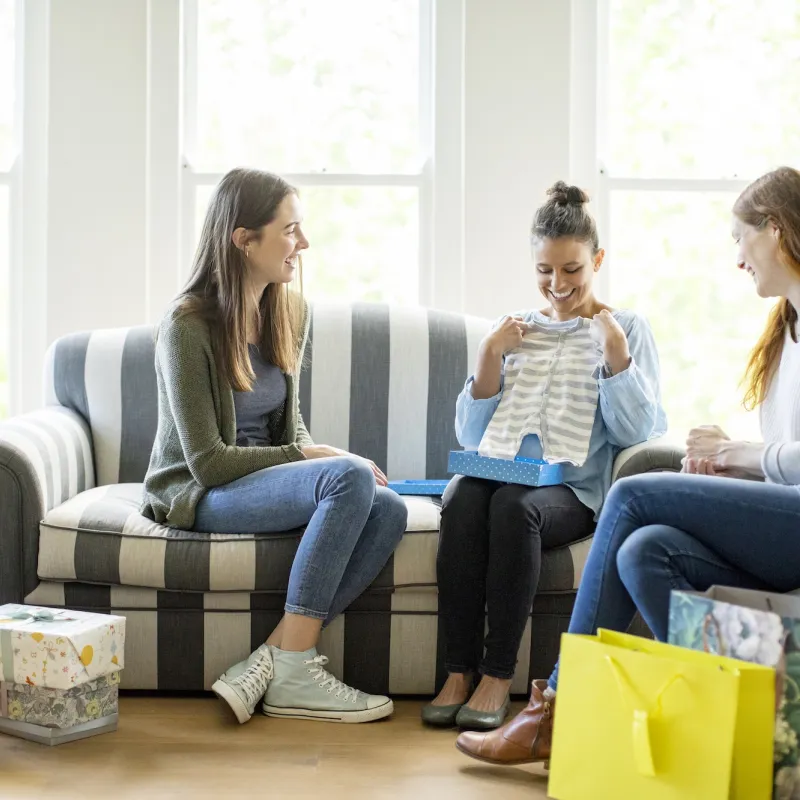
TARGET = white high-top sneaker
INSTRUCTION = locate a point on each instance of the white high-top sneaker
(245, 683)
(303, 689)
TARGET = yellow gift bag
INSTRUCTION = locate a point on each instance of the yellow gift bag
(641, 720)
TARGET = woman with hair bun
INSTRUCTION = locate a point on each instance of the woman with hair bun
(732, 518)
(573, 382)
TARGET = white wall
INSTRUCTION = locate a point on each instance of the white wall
(516, 141)
(96, 165)
(96, 205)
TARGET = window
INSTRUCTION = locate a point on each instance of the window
(8, 153)
(335, 97)
(698, 98)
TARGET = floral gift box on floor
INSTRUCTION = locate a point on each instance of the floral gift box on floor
(59, 673)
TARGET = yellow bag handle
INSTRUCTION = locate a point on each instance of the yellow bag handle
(642, 747)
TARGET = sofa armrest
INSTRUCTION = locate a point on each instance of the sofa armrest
(46, 458)
(656, 455)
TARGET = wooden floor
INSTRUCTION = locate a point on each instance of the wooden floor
(169, 747)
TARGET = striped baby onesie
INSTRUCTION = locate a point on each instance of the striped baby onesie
(550, 390)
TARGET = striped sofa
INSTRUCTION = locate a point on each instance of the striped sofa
(380, 382)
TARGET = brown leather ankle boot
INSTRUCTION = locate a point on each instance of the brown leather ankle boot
(524, 740)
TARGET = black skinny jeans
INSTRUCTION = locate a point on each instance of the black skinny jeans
(490, 557)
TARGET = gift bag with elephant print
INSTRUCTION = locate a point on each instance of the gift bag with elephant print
(761, 628)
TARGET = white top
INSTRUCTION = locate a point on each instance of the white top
(780, 418)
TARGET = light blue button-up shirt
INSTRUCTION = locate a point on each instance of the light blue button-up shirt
(629, 411)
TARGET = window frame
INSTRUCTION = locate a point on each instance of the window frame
(192, 179)
(606, 181)
(589, 134)
(12, 179)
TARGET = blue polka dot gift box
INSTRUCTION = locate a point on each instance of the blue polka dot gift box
(525, 471)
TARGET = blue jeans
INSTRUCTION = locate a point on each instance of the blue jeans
(352, 526)
(664, 531)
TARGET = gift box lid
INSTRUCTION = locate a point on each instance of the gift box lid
(57, 647)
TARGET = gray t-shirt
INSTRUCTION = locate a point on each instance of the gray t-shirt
(268, 393)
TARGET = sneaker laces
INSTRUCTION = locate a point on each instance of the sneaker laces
(326, 681)
(255, 679)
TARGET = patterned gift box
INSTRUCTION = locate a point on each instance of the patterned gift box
(59, 672)
(526, 471)
(57, 648)
(60, 708)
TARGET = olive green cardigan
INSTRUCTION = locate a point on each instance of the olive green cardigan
(195, 447)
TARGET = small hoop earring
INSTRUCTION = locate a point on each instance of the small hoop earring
(247, 252)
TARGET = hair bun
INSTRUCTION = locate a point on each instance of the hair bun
(564, 195)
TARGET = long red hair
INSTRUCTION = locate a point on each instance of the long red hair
(774, 197)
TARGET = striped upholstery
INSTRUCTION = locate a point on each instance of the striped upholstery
(109, 378)
(385, 642)
(100, 537)
(56, 443)
(379, 381)
(45, 459)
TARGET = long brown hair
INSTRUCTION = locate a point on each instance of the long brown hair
(774, 197)
(244, 198)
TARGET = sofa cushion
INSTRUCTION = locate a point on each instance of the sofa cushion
(100, 537)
